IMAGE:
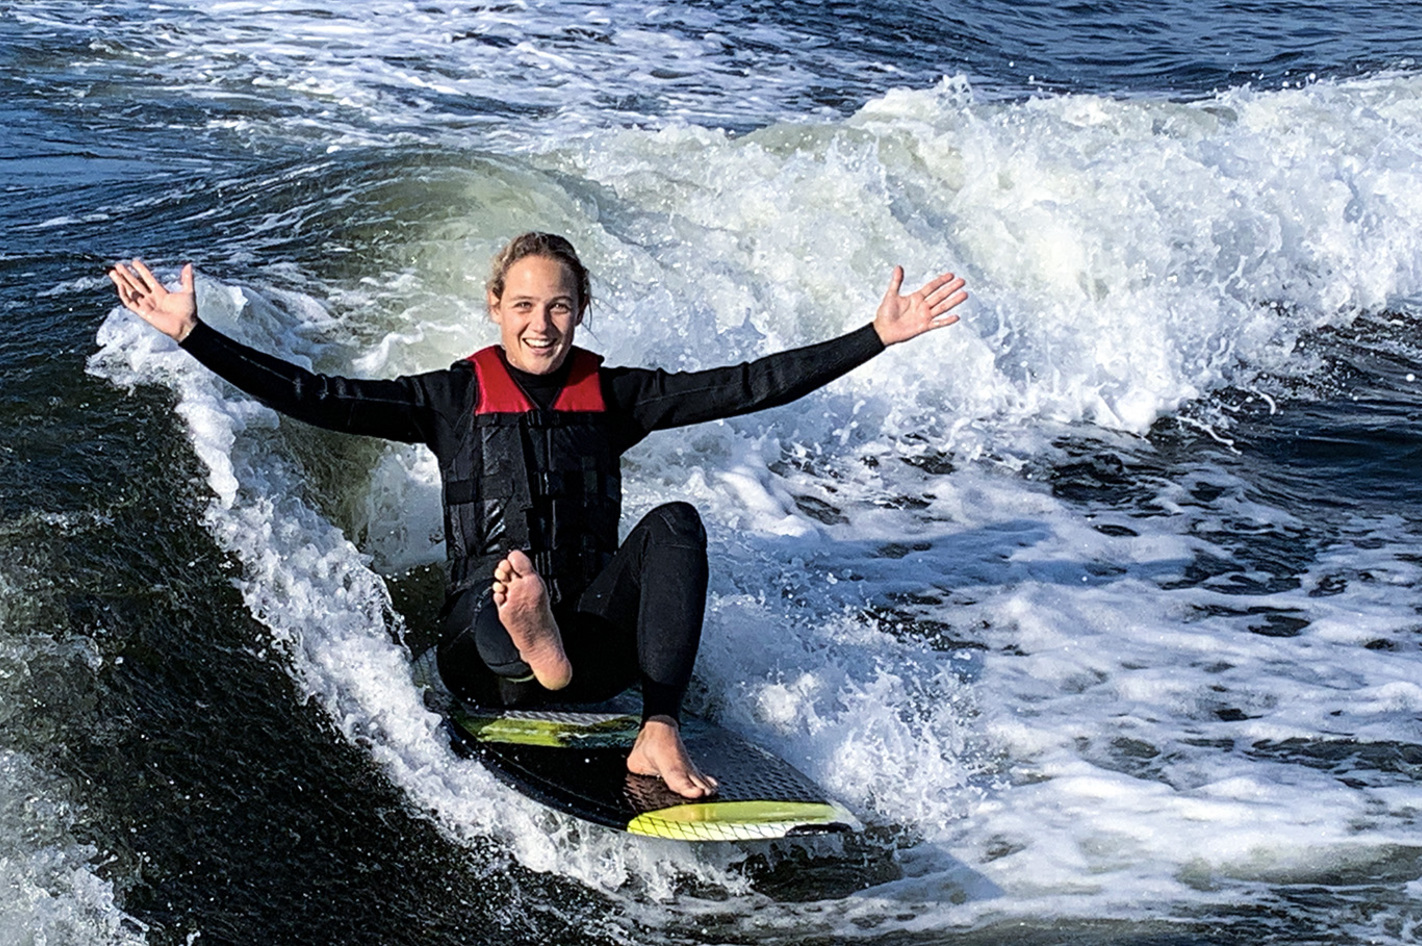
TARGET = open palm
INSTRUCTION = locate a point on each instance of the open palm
(900, 318)
(172, 313)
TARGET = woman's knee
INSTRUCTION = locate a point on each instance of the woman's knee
(679, 524)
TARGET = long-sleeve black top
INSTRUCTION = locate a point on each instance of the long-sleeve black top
(431, 408)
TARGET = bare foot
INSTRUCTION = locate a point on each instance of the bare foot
(659, 751)
(522, 600)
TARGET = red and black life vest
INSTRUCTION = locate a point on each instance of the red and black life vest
(544, 481)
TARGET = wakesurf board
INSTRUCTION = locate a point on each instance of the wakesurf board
(574, 760)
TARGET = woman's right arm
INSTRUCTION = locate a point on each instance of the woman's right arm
(395, 410)
(172, 313)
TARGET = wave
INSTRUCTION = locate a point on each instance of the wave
(56, 888)
(1127, 257)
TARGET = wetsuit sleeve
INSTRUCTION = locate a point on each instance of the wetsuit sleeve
(654, 400)
(397, 409)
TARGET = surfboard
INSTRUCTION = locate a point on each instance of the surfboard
(574, 760)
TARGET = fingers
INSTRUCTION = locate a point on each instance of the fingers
(942, 294)
(125, 293)
(138, 283)
(186, 278)
(131, 290)
(124, 278)
(951, 302)
(942, 287)
(896, 282)
(146, 277)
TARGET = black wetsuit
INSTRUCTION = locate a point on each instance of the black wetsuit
(641, 617)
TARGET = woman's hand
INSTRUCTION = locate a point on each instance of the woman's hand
(900, 318)
(172, 313)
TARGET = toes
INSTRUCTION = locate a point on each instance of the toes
(690, 784)
(519, 563)
(683, 784)
(688, 789)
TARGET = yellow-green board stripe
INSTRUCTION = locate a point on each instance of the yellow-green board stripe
(524, 731)
(737, 820)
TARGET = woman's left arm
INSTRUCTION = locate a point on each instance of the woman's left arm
(648, 400)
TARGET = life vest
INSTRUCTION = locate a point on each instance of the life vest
(547, 482)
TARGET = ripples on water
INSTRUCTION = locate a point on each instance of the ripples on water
(490, 71)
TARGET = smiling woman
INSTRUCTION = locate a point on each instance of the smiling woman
(542, 599)
(538, 293)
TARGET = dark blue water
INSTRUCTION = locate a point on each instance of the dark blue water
(172, 769)
(1183, 49)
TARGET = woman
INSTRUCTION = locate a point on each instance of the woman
(541, 598)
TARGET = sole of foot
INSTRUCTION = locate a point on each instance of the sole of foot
(522, 600)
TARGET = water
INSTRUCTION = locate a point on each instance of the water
(1100, 608)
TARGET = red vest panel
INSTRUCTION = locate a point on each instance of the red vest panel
(499, 393)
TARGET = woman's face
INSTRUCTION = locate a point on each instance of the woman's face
(537, 314)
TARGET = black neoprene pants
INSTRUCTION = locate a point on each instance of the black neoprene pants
(638, 621)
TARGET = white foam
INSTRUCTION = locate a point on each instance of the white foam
(53, 891)
(53, 883)
(1125, 256)
(395, 72)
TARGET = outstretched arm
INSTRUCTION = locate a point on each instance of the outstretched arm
(172, 313)
(900, 318)
(402, 409)
(655, 400)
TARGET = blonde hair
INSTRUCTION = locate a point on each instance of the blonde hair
(548, 245)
